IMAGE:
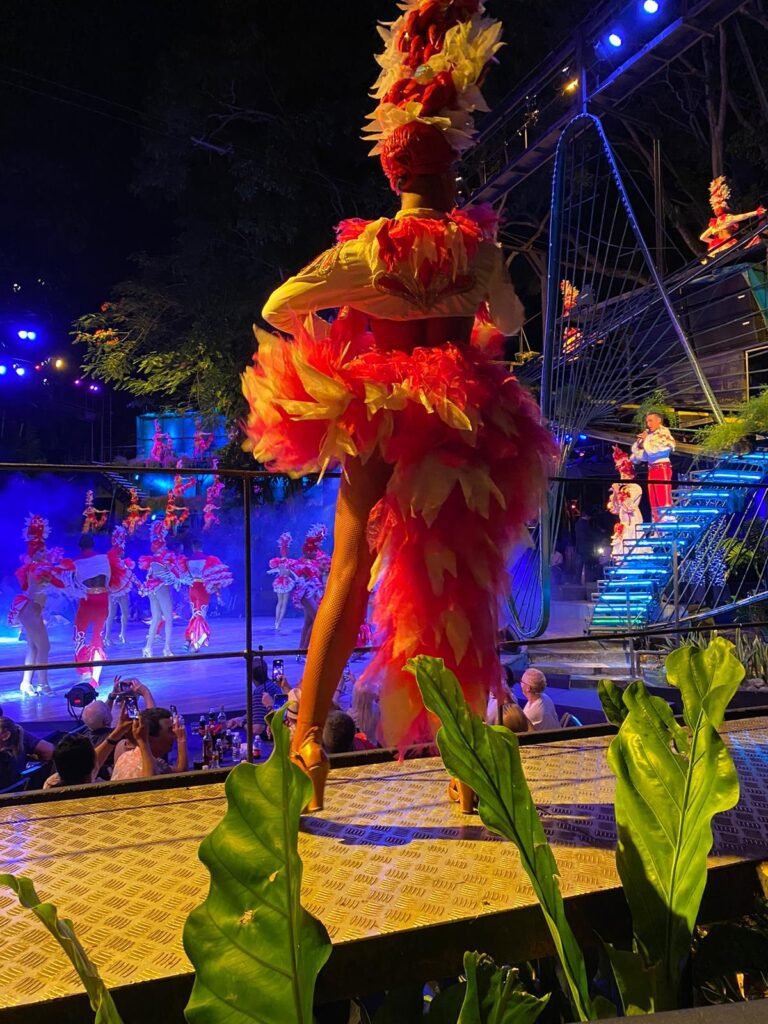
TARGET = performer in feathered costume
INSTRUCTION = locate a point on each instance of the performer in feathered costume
(162, 446)
(120, 585)
(91, 582)
(202, 441)
(41, 569)
(93, 518)
(176, 515)
(212, 495)
(444, 454)
(624, 502)
(284, 580)
(572, 336)
(206, 575)
(136, 514)
(162, 569)
(724, 226)
(310, 573)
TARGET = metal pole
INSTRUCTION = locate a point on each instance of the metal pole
(676, 582)
(658, 206)
(248, 617)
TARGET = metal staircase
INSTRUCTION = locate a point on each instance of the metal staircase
(645, 585)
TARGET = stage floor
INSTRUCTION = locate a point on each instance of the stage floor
(194, 685)
(388, 861)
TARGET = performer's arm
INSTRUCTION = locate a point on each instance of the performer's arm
(506, 309)
(328, 282)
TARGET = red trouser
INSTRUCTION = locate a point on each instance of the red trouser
(92, 612)
(659, 487)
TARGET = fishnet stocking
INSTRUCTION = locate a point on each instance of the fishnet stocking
(344, 604)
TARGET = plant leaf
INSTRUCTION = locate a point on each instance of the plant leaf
(637, 982)
(494, 995)
(487, 758)
(63, 931)
(729, 948)
(612, 698)
(256, 951)
(669, 785)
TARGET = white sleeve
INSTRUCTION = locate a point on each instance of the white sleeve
(506, 310)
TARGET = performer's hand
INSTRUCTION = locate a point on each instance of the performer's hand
(140, 732)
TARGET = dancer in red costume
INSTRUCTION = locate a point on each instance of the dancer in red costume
(162, 446)
(202, 441)
(92, 576)
(284, 582)
(120, 586)
(136, 514)
(41, 569)
(444, 454)
(212, 495)
(206, 575)
(93, 518)
(175, 514)
(162, 569)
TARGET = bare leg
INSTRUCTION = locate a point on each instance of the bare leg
(125, 612)
(165, 602)
(38, 645)
(310, 613)
(110, 620)
(344, 604)
(282, 607)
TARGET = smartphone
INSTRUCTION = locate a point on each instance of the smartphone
(277, 669)
(126, 685)
(174, 710)
(131, 707)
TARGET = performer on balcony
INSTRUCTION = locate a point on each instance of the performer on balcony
(41, 569)
(720, 233)
(92, 576)
(654, 447)
(444, 454)
(624, 502)
(206, 575)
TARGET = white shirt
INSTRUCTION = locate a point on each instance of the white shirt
(542, 713)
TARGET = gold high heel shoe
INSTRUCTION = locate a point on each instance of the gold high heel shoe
(313, 761)
(462, 794)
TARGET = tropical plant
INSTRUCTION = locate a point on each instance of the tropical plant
(751, 418)
(63, 932)
(256, 951)
(658, 402)
(670, 782)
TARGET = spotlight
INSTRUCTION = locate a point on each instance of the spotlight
(615, 40)
(20, 371)
(77, 383)
(26, 335)
(651, 6)
(3, 369)
(571, 86)
(59, 363)
(22, 335)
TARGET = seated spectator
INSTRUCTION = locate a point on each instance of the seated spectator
(512, 718)
(539, 709)
(78, 762)
(366, 713)
(267, 694)
(97, 719)
(508, 697)
(339, 733)
(19, 746)
(155, 737)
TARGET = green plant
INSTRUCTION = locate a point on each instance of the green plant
(256, 951)
(63, 932)
(751, 418)
(487, 758)
(670, 782)
(752, 652)
(657, 402)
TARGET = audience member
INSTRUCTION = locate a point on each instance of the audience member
(78, 762)
(339, 733)
(155, 732)
(366, 712)
(513, 718)
(539, 709)
(18, 746)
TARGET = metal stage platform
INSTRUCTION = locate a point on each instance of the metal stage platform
(403, 882)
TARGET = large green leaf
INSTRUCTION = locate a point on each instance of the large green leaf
(494, 995)
(669, 784)
(256, 951)
(612, 699)
(63, 931)
(487, 758)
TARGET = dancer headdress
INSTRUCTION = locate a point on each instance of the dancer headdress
(719, 192)
(622, 463)
(35, 532)
(435, 56)
(570, 295)
(284, 542)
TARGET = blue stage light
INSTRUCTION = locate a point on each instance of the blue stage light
(651, 6)
(3, 369)
(27, 335)
(615, 40)
(22, 335)
(582, 437)
(20, 371)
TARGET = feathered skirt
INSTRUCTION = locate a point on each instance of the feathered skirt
(469, 457)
